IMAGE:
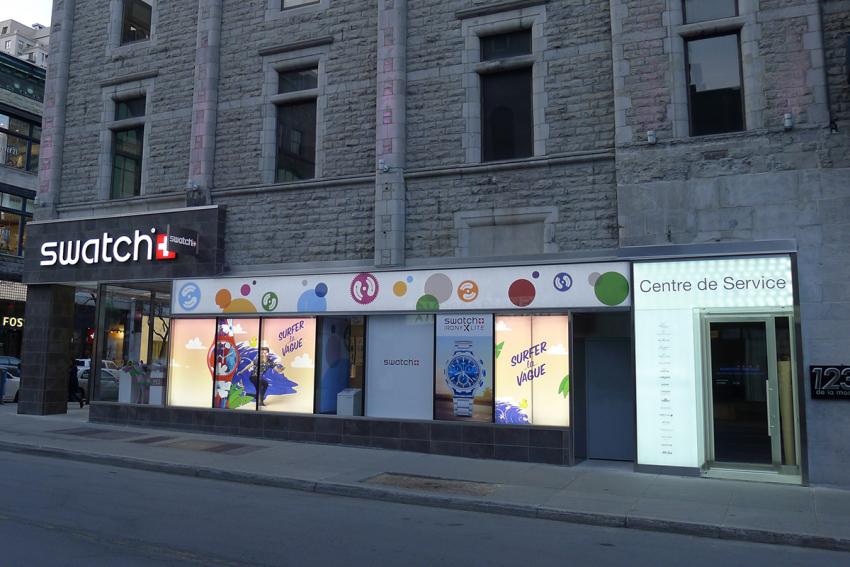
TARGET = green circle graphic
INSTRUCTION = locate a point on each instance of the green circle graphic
(611, 288)
(427, 303)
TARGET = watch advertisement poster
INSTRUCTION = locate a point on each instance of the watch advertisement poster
(463, 377)
(532, 370)
(287, 365)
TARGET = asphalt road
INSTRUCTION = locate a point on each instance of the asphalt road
(56, 512)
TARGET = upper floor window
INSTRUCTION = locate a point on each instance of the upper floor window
(287, 4)
(20, 141)
(703, 10)
(507, 123)
(15, 211)
(128, 135)
(136, 20)
(715, 91)
(296, 124)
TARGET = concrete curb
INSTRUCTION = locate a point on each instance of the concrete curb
(751, 535)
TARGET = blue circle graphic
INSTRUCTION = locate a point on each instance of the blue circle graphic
(189, 296)
(321, 290)
(309, 302)
(562, 281)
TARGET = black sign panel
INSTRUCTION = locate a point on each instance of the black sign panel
(830, 382)
(182, 240)
(162, 245)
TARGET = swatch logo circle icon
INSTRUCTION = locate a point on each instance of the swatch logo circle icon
(467, 291)
(563, 281)
(269, 301)
(364, 288)
(189, 296)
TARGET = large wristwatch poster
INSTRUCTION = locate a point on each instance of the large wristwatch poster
(463, 381)
(532, 370)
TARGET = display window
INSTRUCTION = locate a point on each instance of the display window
(400, 366)
(285, 369)
(463, 381)
(233, 363)
(532, 370)
(340, 363)
(191, 342)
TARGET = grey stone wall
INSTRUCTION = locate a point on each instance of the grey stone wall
(579, 99)
(584, 194)
(304, 224)
(836, 28)
(349, 124)
(94, 60)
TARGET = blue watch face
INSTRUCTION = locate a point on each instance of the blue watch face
(463, 371)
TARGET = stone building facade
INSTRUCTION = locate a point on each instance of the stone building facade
(401, 179)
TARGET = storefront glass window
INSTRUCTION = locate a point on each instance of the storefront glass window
(532, 370)
(191, 348)
(340, 362)
(463, 382)
(234, 362)
(285, 373)
(400, 366)
(134, 340)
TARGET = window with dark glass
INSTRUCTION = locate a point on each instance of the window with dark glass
(287, 4)
(136, 20)
(507, 125)
(127, 149)
(15, 211)
(296, 125)
(704, 10)
(715, 93)
(20, 142)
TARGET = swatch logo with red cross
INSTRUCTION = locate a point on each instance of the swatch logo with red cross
(162, 251)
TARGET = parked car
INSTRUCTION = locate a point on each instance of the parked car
(11, 362)
(85, 363)
(108, 384)
(13, 384)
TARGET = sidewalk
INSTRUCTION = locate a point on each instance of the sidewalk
(592, 493)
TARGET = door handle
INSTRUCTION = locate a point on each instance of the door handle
(767, 402)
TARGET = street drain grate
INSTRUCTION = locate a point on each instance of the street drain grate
(105, 434)
(433, 484)
(151, 440)
(213, 446)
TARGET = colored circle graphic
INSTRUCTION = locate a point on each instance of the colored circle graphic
(223, 298)
(467, 291)
(399, 289)
(310, 302)
(189, 296)
(440, 286)
(427, 303)
(562, 281)
(364, 288)
(245, 290)
(611, 288)
(239, 305)
(321, 289)
(535, 274)
(522, 293)
(269, 301)
(591, 279)
(409, 279)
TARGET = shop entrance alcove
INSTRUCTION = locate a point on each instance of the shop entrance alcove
(603, 386)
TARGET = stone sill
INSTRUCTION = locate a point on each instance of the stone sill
(714, 138)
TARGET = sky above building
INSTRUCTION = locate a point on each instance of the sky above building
(27, 11)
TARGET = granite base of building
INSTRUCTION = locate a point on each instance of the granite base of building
(482, 441)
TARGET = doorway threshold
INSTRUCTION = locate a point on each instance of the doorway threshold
(752, 475)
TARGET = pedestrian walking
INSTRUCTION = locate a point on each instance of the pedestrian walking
(75, 393)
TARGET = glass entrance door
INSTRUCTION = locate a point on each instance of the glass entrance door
(742, 392)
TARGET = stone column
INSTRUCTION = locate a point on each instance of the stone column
(53, 112)
(46, 352)
(204, 104)
(390, 142)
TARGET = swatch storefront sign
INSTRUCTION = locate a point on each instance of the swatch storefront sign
(163, 245)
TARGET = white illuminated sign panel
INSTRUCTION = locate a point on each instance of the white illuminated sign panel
(668, 299)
